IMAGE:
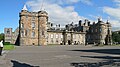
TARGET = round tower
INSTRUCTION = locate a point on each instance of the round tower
(109, 34)
(22, 25)
(101, 27)
(42, 27)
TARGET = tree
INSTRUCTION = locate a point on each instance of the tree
(116, 37)
(2, 36)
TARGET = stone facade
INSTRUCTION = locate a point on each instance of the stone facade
(8, 34)
(34, 29)
(11, 36)
(98, 33)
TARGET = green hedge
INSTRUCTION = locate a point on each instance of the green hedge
(7, 43)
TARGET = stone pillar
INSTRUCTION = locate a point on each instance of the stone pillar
(72, 38)
(64, 37)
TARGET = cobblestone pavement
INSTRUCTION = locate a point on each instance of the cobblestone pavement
(63, 56)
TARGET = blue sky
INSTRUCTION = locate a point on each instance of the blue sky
(61, 11)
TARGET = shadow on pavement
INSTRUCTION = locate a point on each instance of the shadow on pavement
(110, 61)
(104, 57)
(18, 64)
(107, 63)
(105, 51)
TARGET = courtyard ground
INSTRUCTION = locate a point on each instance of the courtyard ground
(62, 56)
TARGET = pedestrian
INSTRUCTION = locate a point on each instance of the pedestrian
(1, 47)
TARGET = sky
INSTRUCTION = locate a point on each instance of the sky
(61, 11)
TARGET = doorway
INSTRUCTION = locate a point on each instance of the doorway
(69, 42)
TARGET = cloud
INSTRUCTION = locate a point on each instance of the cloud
(88, 2)
(114, 13)
(117, 1)
(57, 13)
(115, 24)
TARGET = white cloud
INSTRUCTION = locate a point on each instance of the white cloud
(115, 25)
(117, 1)
(57, 13)
(114, 12)
(88, 2)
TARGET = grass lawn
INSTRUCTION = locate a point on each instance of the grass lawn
(8, 47)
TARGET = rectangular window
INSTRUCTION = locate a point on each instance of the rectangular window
(22, 25)
(92, 30)
(61, 36)
(74, 36)
(95, 30)
(100, 30)
(33, 25)
(22, 33)
(51, 35)
(26, 17)
(33, 18)
(56, 35)
(8, 31)
(26, 32)
(33, 34)
(43, 33)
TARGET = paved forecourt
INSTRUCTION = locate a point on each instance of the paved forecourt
(63, 56)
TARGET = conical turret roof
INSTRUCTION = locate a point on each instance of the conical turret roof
(25, 8)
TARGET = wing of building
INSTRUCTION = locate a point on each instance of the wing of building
(34, 29)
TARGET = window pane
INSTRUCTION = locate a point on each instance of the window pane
(33, 34)
(22, 25)
(33, 25)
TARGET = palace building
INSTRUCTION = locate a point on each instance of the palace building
(34, 29)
